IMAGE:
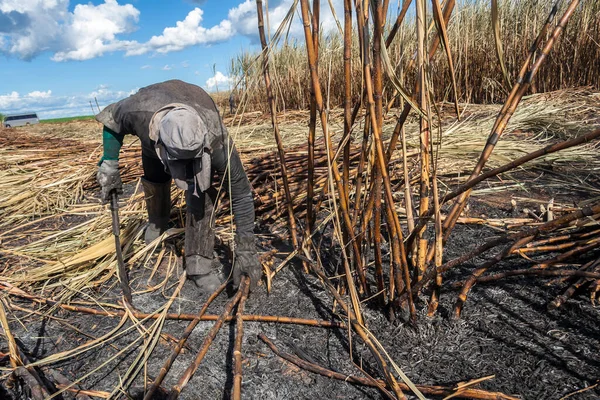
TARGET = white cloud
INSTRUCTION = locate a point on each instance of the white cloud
(167, 67)
(47, 106)
(7, 100)
(39, 28)
(186, 33)
(146, 67)
(185, 64)
(92, 30)
(244, 18)
(219, 80)
(30, 27)
(36, 94)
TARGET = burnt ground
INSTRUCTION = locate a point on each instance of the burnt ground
(506, 330)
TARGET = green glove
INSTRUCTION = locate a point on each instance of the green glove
(108, 175)
(111, 142)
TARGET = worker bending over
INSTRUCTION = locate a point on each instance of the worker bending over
(183, 138)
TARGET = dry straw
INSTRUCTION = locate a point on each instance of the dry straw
(386, 177)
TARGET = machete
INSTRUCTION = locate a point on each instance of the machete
(121, 271)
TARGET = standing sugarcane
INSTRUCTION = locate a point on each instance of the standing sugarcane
(333, 165)
(526, 76)
(312, 127)
(273, 110)
(424, 136)
(398, 249)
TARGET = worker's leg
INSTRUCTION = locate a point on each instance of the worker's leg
(200, 240)
(157, 191)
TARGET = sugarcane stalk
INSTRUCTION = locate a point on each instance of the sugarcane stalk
(472, 182)
(533, 231)
(544, 249)
(171, 316)
(397, 23)
(571, 253)
(191, 370)
(358, 176)
(239, 336)
(347, 95)
(439, 238)
(13, 349)
(448, 8)
(443, 34)
(378, 97)
(332, 160)
(504, 117)
(545, 244)
(462, 297)
(188, 331)
(273, 110)
(498, 41)
(367, 381)
(543, 273)
(312, 126)
(424, 182)
(393, 222)
(377, 240)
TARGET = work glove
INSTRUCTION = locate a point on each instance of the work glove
(109, 178)
(246, 261)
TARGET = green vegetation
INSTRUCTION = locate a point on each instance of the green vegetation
(66, 119)
(1, 118)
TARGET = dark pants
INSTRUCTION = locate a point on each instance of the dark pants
(154, 170)
(199, 224)
(199, 221)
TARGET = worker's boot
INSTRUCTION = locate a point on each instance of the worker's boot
(200, 263)
(158, 205)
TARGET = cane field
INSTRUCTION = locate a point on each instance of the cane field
(426, 181)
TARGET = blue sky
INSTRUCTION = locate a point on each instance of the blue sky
(57, 55)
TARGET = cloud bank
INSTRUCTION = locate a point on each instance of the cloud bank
(46, 105)
(31, 27)
(220, 81)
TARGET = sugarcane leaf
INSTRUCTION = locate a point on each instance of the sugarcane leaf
(389, 69)
(443, 33)
(498, 41)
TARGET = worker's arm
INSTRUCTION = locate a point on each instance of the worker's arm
(226, 161)
(108, 168)
(111, 143)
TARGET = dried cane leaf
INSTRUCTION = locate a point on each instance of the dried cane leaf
(389, 69)
(443, 33)
(498, 42)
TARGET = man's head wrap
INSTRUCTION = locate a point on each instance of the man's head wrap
(181, 143)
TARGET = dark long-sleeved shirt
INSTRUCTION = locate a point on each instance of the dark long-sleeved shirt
(133, 114)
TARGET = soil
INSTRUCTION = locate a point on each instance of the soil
(506, 330)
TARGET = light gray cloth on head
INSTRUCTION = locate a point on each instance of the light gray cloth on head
(181, 137)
